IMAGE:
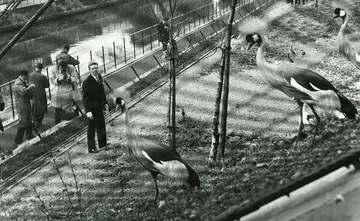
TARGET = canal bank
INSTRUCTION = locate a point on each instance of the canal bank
(140, 66)
(40, 41)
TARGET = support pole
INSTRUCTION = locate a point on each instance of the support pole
(25, 28)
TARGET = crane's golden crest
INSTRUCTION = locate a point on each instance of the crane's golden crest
(345, 5)
(122, 93)
(253, 25)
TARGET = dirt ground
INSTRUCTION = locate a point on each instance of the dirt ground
(258, 157)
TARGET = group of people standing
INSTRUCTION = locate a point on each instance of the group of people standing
(30, 94)
(31, 100)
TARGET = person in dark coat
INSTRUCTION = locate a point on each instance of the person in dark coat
(163, 32)
(2, 107)
(39, 107)
(95, 104)
(23, 93)
(64, 55)
(163, 36)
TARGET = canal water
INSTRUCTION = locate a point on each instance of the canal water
(85, 32)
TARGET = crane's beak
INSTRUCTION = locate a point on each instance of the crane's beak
(337, 16)
(252, 43)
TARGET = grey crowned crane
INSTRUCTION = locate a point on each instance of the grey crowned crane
(345, 48)
(301, 84)
(155, 157)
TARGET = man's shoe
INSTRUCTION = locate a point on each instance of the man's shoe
(106, 146)
(94, 151)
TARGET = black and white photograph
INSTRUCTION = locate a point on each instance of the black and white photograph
(177, 110)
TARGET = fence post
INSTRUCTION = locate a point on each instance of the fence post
(157, 61)
(216, 9)
(90, 55)
(12, 101)
(135, 72)
(114, 53)
(133, 37)
(142, 41)
(47, 74)
(183, 24)
(150, 39)
(189, 23)
(220, 8)
(124, 49)
(78, 66)
(204, 14)
(103, 55)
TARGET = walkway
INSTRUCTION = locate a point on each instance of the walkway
(124, 75)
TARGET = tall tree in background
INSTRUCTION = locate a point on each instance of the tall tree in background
(215, 127)
(224, 87)
(172, 51)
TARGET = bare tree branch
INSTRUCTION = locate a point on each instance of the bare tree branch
(42, 206)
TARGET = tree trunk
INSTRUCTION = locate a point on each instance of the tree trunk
(173, 100)
(224, 105)
(215, 128)
(169, 108)
(172, 74)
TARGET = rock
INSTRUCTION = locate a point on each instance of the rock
(281, 143)
(339, 198)
(296, 175)
(260, 165)
(246, 177)
(235, 139)
(161, 203)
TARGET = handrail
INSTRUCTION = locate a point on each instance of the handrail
(128, 55)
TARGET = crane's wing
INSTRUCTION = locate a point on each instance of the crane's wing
(309, 80)
(157, 151)
(291, 91)
(348, 51)
(158, 158)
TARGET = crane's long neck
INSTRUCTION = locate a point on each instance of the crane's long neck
(343, 26)
(129, 135)
(270, 72)
(260, 59)
(262, 64)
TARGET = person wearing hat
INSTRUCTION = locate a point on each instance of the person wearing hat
(163, 36)
(63, 79)
(2, 107)
(39, 101)
(23, 93)
(94, 100)
(64, 55)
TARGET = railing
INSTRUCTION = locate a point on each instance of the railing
(24, 3)
(138, 44)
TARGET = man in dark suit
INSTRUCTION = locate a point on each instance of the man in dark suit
(95, 104)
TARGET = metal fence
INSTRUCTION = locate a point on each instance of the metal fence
(138, 44)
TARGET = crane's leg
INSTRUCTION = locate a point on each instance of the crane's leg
(317, 123)
(301, 124)
(154, 176)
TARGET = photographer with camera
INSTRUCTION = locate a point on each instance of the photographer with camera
(65, 82)
(23, 93)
